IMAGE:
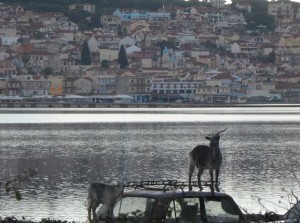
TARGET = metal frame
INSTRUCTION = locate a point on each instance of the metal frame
(164, 184)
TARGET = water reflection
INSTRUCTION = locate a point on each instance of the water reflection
(144, 118)
(258, 156)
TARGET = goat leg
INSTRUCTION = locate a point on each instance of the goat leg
(191, 170)
(211, 173)
(217, 180)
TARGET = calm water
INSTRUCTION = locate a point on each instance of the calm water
(71, 148)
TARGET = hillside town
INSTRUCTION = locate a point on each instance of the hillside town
(201, 54)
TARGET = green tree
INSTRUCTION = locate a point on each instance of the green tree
(38, 35)
(259, 15)
(168, 44)
(124, 31)
(122, 58)
(77, 15)
(267, 58)
(83, 25)
(210, 45)
(104, 63)
(47, 71)
(271, 57)
(25, 58)
(95, 21)
(173, 15)
(85, 54)
(120, 31)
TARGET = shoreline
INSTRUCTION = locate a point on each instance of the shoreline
(141, 105)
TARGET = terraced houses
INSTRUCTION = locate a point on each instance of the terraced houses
(196, 54)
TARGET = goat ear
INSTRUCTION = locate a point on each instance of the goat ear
(207, 137)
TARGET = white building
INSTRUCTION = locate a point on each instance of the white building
(217, 3)
(173, 90)
(9, 40)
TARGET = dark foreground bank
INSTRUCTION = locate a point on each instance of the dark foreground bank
(15, 220)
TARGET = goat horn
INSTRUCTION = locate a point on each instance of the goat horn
(221, 131)
(210, 135)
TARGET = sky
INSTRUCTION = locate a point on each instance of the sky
(229, 1)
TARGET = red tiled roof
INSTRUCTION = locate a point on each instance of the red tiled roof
(25, 48)
(284, 85)
(223, 76)
(35, 53)
(288, 75)
(52, 14)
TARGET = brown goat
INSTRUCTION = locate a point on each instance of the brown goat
(206, 157)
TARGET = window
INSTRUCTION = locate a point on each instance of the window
(195, 209)
(184, 210)
(133, 207)
(221, 209)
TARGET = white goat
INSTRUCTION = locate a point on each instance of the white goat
(99, 193)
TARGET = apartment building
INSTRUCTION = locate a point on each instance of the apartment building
(217, 3)
(171, 90)
(110, 21)
(140, 88)
(281, 10)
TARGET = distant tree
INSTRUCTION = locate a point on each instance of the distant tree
(25, 58)
(210, 45)
(271, 57)
(83, 25)
(168, 44)
(77, 15)
(259, 15)
(42, 6)
(95, 21)
(187, 54)
(85, 54)
(173, 15)
(104, 64)
(38, 35)
(267, 58)
(124, 31)
(47, 71)
(120, 31)
(122, 58)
